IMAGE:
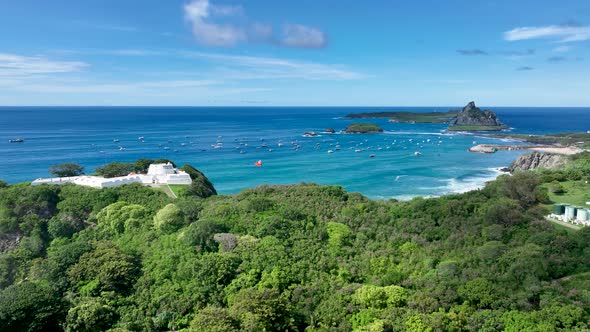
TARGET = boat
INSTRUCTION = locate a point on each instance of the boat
(417, 153)
(116, 140)
(141, 138)
(258, 163)
(330, 151)
(371, 156)
(16, 140)
(309, 134)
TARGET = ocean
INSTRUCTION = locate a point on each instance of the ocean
(224, 143)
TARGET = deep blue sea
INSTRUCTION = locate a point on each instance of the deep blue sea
(224, 142)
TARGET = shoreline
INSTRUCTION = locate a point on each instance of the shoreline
(551, 149)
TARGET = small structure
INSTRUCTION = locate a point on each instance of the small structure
(582, 217)
(570, 213)
(157, 174)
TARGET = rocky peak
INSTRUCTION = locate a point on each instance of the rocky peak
(472, 115)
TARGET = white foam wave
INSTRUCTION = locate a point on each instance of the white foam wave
(410, 197)
(457, 186)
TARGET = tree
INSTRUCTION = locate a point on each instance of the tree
(214, 319)
(30, 306)
(338, 235)
(376, 297)
(66, 169)
(106, 268)
(120, 217)
(115, 169)
(261, 310)
(142, 165)
(90, 315)
(169, 218)
(201, 186)
(479, 292)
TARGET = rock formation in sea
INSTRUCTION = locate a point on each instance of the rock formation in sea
(535, 160)
(363, 128)
(472, 115)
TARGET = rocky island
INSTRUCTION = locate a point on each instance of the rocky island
(472, 118)
(363, 128)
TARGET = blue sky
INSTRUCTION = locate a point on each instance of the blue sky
(293, 53)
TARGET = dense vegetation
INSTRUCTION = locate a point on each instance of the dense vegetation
(475, 128)
(414, 117)
(116, 169)
(293, 258)
(582, 139)
(363, 128)
(66, 169)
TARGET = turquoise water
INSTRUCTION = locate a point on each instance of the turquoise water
(85, 135)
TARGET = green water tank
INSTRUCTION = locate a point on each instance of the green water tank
(558, 209)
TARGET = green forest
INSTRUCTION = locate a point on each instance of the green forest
(298, 257)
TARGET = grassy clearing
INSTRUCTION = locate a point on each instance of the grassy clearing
(576, 193)
(178, 189)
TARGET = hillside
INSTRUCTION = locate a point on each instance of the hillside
(292, 258)
(408, 117)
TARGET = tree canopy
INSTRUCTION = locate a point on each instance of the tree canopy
(292, 258)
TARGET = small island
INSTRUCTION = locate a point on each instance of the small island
(363, 128)
(408, 117)
(472, 118)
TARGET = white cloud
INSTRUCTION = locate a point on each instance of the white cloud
(22, 66)
(208, 29)
(199, 11)
(564, 34)
(297, 35)
(562, 49)
(250, 67)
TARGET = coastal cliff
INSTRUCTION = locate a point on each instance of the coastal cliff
(535, 160)
(473, 118)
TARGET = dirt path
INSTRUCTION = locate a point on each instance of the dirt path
(566, 224)
(165, 189)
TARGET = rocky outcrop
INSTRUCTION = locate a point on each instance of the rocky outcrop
(535, 160)
(9, 241)
(472, 115)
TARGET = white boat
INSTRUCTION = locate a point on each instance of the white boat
(330, 151)
(417, 153)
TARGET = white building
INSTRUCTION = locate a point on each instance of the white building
(157, 174)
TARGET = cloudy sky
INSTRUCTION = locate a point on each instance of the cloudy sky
(292, 53)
